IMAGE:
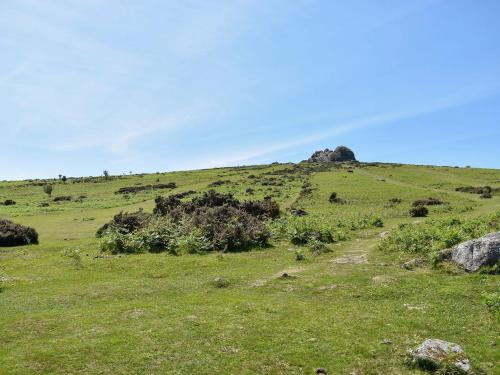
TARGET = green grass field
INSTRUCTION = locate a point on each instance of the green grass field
(67, 308)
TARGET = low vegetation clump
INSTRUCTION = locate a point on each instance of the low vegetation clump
(419, 211)
(306, 230)
(47, 189)
(492, 302)
(219, 183)
(63, 198)
(427, 202)
(211, 222)
(136, 189)
(474, 189)
(12, 234)
(9, 202)
(335, 199)
(438, 234)
(124, 223)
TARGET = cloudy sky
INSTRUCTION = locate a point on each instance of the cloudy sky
(147, 86)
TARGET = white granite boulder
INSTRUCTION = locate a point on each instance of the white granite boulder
(434, 354)
(474, 254)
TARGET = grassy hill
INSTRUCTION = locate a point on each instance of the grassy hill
(66, 307)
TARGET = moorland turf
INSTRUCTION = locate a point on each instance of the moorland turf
(66, 308)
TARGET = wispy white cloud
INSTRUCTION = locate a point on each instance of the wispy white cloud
(118, 141)
(11, 74)
(366, 122)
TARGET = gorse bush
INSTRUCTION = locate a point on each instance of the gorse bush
(419, 211)
(438, 234)
(210, 222)
(12, 234)
(427, 202)
(125, 223)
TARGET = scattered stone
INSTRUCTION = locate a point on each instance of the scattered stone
(413, 307)
(474, 254)
(228, 349)
(412, 264)
(341, 153)
(321, 371)
(434, 354)
(383, 279)
(384, 234)
(386, 342)
(136, 313)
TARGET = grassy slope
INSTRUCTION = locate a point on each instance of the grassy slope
(154, 313)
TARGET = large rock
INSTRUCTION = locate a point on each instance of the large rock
(473, 254)
(341, 153)
(434, 354)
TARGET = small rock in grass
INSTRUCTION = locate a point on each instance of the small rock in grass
(384, 234)
(435, 354)
(412, 264)
(321, 371)
(221, 282)
(414, 307)
(383, 279)
(386, 342)
(229, 349)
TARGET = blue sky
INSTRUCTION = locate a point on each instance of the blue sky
(149, 86)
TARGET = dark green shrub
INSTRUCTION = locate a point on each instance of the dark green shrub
(335, 199)
(229, 228)
(419, 211)
(266, 209)
(213, 221)
(136, 189)
(219, 183)
(9, 202)
(165, 205)
(12, 234)
(427, 202)
(125, 223)
(47, 189)
(474, 189)
(62, 198)
(214, 199)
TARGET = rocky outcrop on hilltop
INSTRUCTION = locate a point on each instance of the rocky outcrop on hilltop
(341, 153)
